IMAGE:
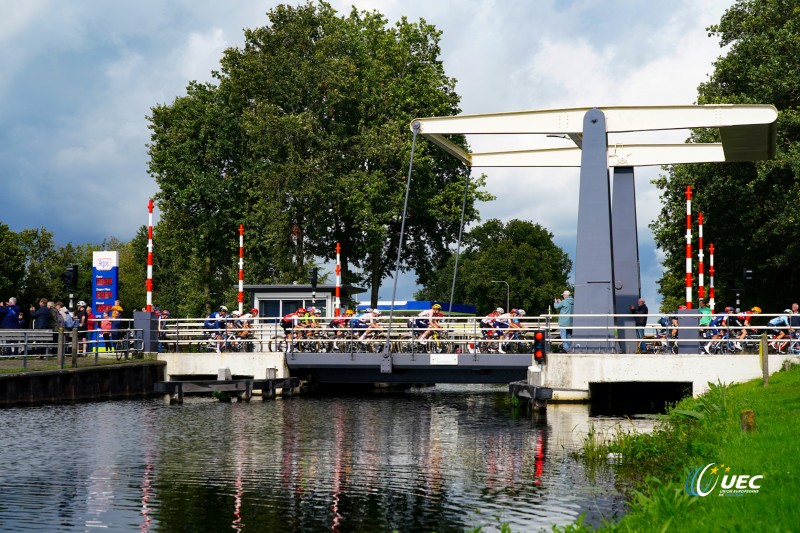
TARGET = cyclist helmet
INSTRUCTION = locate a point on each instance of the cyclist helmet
(368, 310)
(500, 310)
(236, 313)
(376, 312)
(436, 306)
(729, 309)
(787, 311)
(301, 310)
(223, 308)
(317, 311)
(513, 311)
(756, 310)
(312, 310)
(521, 312)
(349, 312)
(254, 311)
(81, 304)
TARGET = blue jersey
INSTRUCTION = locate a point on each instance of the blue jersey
(214, 321)
(778, 322)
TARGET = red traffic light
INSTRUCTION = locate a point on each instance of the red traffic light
(539, 335)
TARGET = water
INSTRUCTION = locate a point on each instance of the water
(443, 459)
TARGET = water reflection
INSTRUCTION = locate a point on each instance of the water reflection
(442, 459)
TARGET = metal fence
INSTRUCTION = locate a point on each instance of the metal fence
(615, 334)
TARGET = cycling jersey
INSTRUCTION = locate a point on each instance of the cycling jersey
(215, 320)
(290, 320)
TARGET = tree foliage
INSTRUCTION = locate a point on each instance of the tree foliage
(305, 140)
(520, 253)
(750, 209)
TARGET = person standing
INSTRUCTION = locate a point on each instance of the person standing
(9, 319)
(565, 305)
(641, 312)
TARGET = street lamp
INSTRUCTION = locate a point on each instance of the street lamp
(508, 292)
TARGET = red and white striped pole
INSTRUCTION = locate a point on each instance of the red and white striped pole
(711, 277)
(241, 267)
(337, 306)
(149, 283)
(701, 289)
(688, 247)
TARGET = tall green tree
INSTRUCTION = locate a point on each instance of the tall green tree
(519, 252)
(306, 141)
(12, 257)
(750, 208)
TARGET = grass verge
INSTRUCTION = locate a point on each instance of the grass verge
(703, 430)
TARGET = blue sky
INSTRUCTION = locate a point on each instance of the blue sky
(78, 78)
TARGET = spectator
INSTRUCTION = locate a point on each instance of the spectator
(565, 307)
(106, 325)
(91, 326)
(9, 314)
(641, 312)
(41, 316)
(51, 308)
(82, 326)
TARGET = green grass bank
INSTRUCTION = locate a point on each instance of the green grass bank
(662, 468)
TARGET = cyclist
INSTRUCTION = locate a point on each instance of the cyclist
(717, 329)
(215, 325)
(340, 324)
(366, 322)
(778, 326)
(289, 322)
(428, 320)
(746, 322)
(735, 325)
(516, 314)
(247, 320)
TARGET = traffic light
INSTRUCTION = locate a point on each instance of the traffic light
(312, 277)
(74, 278)
(70, 278)
(539, 346)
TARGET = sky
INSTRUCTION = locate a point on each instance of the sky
(78, 79)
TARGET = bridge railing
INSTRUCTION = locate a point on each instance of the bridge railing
(458, 335)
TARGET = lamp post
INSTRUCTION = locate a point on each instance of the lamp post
(508, 292)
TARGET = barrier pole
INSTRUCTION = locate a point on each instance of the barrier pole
(701, 290)
(688, 247)
(337, 305)
(149, 282)
(711, 277)
(241, 267)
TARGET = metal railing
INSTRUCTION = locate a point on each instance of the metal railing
(459, 335)
(60, 344)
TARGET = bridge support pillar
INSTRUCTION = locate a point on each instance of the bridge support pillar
(594, 265)
(627, 281)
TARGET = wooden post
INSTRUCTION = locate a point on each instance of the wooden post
(74, 348)
(60, 347)
(748, 420)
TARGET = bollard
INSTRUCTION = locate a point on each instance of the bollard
(748, 420)
(74, 348)
(60, 347)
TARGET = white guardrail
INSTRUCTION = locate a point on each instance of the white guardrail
(469, 335)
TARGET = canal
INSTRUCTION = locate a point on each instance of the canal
(440, 459)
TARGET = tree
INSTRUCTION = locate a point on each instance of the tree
(306, 141)
(519, 252)
(12, 257)
(749, 208)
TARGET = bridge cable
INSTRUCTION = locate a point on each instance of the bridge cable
(458, 247)
(415, 128)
